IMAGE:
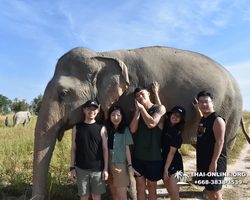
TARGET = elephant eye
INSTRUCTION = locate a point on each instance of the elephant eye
(63, 93)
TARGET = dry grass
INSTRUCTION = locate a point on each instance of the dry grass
(2, 120)
(16, 162)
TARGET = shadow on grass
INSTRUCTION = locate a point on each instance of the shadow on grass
(65, 192)
(186, 195)
(191, 194)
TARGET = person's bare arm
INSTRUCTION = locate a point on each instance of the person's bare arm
(155, 89)
(133, 126)
(104, 136)
(169, 160)
(152, 121)
(198, 111)
(219, 129)
(73, 153)
(130, 166)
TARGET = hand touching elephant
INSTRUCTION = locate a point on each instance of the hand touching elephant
(82, 74)
(21, 117)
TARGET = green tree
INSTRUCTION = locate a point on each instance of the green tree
(19, 105)
(36, 104)
(5, 104)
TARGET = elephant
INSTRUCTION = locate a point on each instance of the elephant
(21, 117)
(111, 77)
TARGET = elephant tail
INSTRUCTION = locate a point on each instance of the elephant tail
(242, 123)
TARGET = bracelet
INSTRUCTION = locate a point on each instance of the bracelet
(129, 165)
(71, 168)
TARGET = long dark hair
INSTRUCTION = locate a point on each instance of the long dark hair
(110, 125)
(179, 127)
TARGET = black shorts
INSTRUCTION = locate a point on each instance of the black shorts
(215, 187)
(176, 165)
(211, 183)
(152, 170)
(215, 183)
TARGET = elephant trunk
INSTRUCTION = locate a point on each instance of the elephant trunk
(45, 139)
(42, 156)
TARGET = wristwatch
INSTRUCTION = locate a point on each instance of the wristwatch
(71, 168)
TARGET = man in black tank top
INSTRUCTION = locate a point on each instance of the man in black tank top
(89, 154)
(211, 146)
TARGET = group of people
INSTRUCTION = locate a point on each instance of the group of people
(101, 153)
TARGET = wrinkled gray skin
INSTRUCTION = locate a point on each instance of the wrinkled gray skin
(82, 74)
(21, 117)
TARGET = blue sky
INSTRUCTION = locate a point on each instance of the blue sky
(34, 34)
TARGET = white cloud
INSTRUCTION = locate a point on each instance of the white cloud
(243, 66)
(222, 23)
(124, 23)
(48, 29)
(241, 72)
(247, 15)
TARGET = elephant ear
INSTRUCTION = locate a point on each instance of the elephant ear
(111, 80)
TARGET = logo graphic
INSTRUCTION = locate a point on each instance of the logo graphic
(181, 177)
(201, 130)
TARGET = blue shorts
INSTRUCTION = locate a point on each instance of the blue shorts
(152, 170)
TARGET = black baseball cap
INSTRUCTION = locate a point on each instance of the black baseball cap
(180, 110)
(91, 103)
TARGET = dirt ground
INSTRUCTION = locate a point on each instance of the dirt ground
(240, 192)
(230, 191)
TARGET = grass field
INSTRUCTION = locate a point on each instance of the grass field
(16, 161)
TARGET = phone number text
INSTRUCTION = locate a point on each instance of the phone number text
(215, 182)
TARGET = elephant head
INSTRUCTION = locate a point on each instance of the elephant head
(80, 75)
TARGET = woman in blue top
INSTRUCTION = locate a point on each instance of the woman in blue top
(119, 153)
(172, 126)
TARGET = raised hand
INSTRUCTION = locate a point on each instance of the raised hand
(195, 104)
(138, 106)
(155, 87)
